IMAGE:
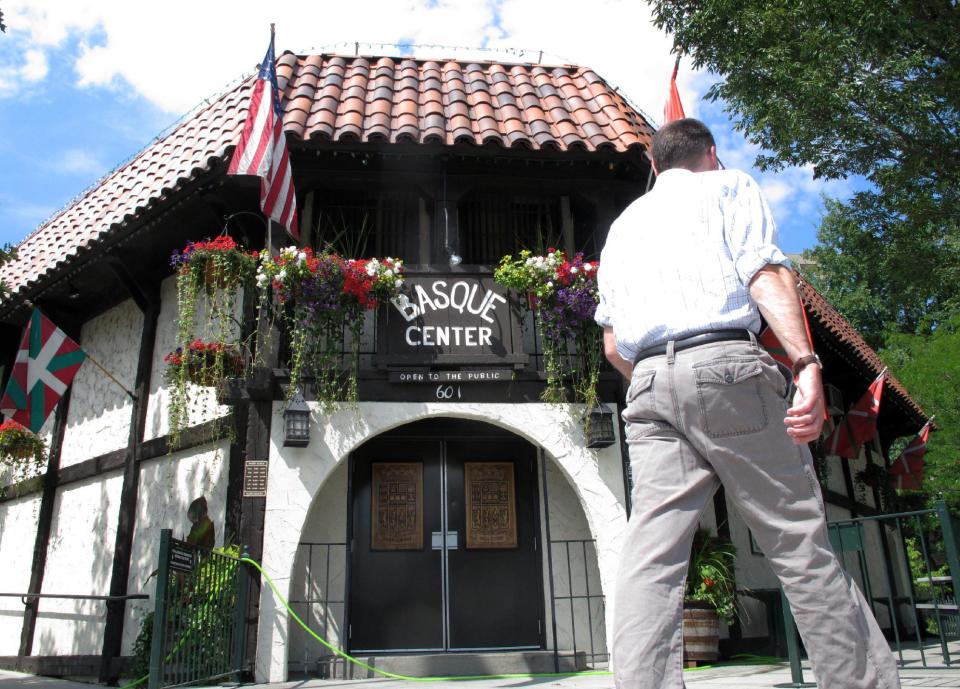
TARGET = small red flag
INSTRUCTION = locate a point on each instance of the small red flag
(262, 150)
(673, 110)
(860, 423)
(906, 472)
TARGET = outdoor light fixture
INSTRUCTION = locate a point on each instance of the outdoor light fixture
(296, 422)
(600, 431)
(455, 259)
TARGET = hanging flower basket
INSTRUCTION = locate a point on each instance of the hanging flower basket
(321, 296)
(215, 264)
(21, 448)
(563, 292)
(205, 363)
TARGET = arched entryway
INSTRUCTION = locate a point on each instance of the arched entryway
(444, 522)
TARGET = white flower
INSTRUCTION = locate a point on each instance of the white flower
(399, 283)
(549, 283)
(588, 267)
(282, 275)
(302, 257)
(574, 270)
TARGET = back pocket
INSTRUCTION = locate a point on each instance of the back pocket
(731, 401)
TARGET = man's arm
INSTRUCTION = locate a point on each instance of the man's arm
(774, 290)
(613, 356)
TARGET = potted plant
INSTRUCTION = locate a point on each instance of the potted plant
(21, 449)
(320, 296)
(710, 596)
(563, 292)
(219, 270)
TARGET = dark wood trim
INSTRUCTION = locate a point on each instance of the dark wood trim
(44, 523)
(856, 508)
(192, 437)
(63, 666)
(848, 484)
(129, 492)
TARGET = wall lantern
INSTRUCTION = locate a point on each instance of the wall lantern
(600, 430)
(296, 422)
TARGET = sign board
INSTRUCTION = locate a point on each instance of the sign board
(255, 478)
(182, 556)
(451, 318)
(493, 375)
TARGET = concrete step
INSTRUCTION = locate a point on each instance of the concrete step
(453, 664)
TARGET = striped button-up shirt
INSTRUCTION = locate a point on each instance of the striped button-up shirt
(679, 260)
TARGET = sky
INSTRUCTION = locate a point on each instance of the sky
(86, 84)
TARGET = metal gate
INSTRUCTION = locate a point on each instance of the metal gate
(198, 622)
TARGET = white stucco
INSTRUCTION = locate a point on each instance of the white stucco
(296, 476)
(98, 420)
(167, 487)
(203, 404)
(18, 531)
(79, 561)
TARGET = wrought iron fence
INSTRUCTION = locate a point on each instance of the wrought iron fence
(198, 624)
(577, 602)
(319, 600)
(907, 565)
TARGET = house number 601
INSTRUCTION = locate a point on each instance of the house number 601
(446, 392)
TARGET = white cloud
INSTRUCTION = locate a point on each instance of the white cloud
(35, 67)
(79, 162)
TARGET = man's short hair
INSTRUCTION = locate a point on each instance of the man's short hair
(681, 143)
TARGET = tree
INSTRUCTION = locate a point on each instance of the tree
(929, 366)
(851, 87)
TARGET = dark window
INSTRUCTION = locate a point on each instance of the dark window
(362, 224)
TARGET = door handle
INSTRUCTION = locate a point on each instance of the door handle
(440, 540)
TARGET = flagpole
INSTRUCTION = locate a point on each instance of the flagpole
(110, 376)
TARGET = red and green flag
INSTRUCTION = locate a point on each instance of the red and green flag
(906, 472)
(46, 363)
(673, 108)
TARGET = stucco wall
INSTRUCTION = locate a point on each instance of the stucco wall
(99, 417)
(296, 476)
(18, 530)
(319, 573)
(167, 487)
(79, 560)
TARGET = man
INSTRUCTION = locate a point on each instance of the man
(686, 272)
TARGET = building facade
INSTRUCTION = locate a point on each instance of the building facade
(416, 159)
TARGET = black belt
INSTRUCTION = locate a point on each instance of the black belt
(694, 341)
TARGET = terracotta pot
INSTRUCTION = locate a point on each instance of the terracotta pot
(701, 632)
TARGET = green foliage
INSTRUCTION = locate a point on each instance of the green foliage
(919, 569)
(711, 577)
(851, 87)
(140, 665)
(929, 367)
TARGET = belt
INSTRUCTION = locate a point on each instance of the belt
(694, 341)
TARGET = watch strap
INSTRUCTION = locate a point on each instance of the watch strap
(805, 361)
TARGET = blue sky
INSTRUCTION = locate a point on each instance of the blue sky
(86, 84)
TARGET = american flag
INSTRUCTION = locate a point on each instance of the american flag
(262, 150)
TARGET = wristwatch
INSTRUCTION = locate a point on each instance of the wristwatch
(805, 361)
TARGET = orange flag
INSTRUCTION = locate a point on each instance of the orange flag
(673, 109)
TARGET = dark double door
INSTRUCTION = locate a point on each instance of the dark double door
(425, 575)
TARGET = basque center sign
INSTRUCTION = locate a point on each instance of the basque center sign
(456, 318)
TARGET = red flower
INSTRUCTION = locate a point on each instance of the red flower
(708, 582)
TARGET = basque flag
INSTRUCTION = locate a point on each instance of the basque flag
(860, 423)
(673, 109)
(45, 365)
(262, 150)
(906, 472)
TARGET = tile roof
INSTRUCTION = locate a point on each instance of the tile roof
(351, 99)
(826, 319)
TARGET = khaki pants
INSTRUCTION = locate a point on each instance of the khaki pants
(694, 419)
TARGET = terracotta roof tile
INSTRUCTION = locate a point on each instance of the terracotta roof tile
(338, 98)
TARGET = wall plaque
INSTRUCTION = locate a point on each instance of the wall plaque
(255, 478)
(491, 505)
(397, 506)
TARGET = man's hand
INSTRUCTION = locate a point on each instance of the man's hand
(804, 419)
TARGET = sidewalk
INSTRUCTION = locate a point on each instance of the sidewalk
(741, 677)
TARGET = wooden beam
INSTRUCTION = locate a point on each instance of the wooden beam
(44, 523)
(129, 492)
